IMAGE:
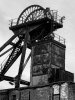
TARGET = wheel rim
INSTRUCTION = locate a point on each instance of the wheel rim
(28, 11)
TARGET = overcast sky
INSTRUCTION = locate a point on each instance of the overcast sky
(10, 9)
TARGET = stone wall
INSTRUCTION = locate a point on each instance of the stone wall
(46, 57)
(57, 91)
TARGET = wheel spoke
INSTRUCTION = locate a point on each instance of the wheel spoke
(27, 12)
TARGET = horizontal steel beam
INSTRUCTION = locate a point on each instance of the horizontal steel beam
(12, 79)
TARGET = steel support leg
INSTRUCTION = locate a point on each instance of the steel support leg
(17, 81)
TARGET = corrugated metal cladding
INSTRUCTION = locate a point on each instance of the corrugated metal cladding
(46, 56)
(64, 91)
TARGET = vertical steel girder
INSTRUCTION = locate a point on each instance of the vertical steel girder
(26, 61)
(17, 82)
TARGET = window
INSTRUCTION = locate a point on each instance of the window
(64, 91)
(56, 93)
(14, 97)
(55, 89)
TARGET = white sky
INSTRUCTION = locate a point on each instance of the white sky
(10, 9)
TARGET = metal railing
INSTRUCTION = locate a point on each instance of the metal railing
(13, 22)
(50, 14)
(59, 38)
(56, 17)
